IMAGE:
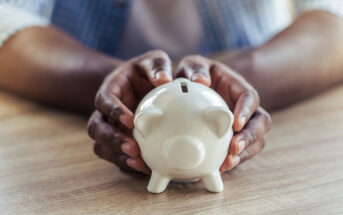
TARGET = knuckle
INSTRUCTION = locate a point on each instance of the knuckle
(253, 136)
(98, 100)
(258, 115)
(199, 68)
(267, 120)
(253, 94)
(97, 149)
(109, 109)
(117, 140)
(99, 131)
(104, 153)
(185, 61)
(117, 135)
(91, 125)
(247, 94)
(90, 128)
(159, 53)
(250, 137)
(194, 64)
(106, 136)
(120, 160)
(115, 112)
(160, 63)
(192, 58)
(244, 156)
(154, 61)
(101, 101)
(104, 108)
(96, 131)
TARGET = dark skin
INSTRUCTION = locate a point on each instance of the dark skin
(49, 66)
(300, 61)
(121, 91)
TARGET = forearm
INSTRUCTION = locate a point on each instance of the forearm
(45, 64)
(300, 61)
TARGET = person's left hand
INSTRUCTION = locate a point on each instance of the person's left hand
(251, 122)
(112, 123)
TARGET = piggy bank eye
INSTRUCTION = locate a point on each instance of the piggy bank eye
(219, 119)
(147, 119)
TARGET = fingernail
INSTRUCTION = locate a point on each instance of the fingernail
(124, 120)
(200, 78)
(234, 160)
(221, 169)
(242, 121)
(241, 146)
(131, 163)
(126, 148)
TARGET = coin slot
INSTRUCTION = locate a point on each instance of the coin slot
(184, 87)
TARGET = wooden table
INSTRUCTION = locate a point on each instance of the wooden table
(47, 166)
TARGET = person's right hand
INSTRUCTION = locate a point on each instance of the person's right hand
(251, 121)
(112, 123)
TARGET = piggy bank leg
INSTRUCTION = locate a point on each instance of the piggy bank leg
(157, 183)
(213, 182)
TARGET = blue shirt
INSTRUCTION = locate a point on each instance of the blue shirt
(100, 24)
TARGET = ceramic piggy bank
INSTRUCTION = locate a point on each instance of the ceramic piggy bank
(183, 130)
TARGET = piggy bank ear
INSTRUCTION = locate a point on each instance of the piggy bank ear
(146, 119)
(219, 119)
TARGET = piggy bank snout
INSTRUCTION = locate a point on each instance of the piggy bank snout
(183, 152)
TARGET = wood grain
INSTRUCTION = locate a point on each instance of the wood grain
(47, 166)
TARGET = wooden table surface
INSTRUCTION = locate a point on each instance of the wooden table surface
(47, 166)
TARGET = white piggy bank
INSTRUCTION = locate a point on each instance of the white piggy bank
(183, 130)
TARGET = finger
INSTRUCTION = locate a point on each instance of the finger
(93, 120)
(252, 150)
(232, 161)
(105, 134)
(246, 105)
(157, 67)
(236, 90)
(120, 160)
(255, 129)
(138, 164)
(110, 105)
(104, 152)
(195, 68)
(246, 101)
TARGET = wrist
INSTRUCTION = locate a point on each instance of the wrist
(244, 63)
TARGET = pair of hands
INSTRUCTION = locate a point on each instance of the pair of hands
(112, 123)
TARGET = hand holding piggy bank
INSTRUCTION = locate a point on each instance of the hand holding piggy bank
(183, 130)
